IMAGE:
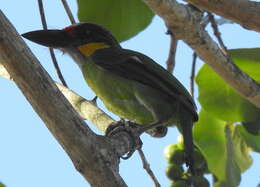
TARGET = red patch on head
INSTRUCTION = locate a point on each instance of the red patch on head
(70, 30)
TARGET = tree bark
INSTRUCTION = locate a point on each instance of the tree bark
(184, 22)
(244, 12)
(93, 156)
(85, 108)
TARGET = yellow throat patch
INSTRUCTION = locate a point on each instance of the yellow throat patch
(90, 48)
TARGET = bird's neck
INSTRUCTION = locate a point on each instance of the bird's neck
(83, 52)
(90, 48)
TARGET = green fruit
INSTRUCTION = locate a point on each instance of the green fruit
(174, 154)
(168, 151)
(174, 172)
(200, 181)
(180, 183)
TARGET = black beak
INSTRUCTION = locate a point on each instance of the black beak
(50, 38)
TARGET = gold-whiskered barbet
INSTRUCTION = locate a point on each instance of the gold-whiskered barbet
(130, 84)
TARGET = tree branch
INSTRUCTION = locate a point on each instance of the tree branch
(216, 32)
(231, 9)
(192, 75)
(172, 53)
(147, 168)
(89, 111)
(53, 57)
(93, 155)
(184, 23)
(68, 11)
(86, 109)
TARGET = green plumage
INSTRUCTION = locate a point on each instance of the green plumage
(130, 84)
(134, 87)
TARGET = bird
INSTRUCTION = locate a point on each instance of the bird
(130, 84)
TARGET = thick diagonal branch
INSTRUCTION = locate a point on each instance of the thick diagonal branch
(184, 23)
(244, 12)
(86, 108)
(92, 155)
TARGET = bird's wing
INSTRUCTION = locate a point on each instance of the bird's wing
(136, 66)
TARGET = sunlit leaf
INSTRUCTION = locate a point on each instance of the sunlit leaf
(221, 100)
(123, 18)
(219, 144)
(251, 140)
(241, 150)
(209, 136)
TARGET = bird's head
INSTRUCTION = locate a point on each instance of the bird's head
(87, 37)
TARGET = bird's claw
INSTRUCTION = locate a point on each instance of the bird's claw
(131, 129)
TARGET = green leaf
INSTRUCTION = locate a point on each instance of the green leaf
(221, 100)
(123, 18)
(248, 59)
(219, 144)
(209, 136)
(232, 169)
(251, 140)
(241, 150)
(2, 185)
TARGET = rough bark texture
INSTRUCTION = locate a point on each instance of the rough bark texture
(244, 12)
(86, 109)
(184, 22)
(92, 155)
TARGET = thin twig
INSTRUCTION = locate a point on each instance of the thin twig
(54, 60)
(44, 25)
(222, 21)
(146, 166)
(216, 32)
(193, 74)
(204, 21)
(41, 9)
(172, 53)
(68, 11)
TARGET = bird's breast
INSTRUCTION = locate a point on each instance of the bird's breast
(117, 93)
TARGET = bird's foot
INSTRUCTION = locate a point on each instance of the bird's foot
(131, 129)
(157, 132)
(155, 129)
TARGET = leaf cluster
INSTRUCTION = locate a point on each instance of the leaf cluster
(229, 124)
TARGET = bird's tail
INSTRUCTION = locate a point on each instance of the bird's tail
(185, 126)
